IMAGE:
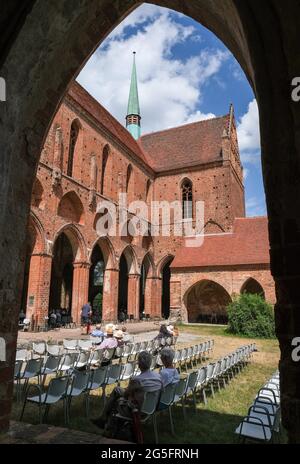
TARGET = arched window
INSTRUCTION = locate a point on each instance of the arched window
(104, 164)
(73, 139)
(187, 199)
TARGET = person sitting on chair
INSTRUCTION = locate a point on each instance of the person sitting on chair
(149, 381)
(97, 332)
(110, 341)
(169, 374)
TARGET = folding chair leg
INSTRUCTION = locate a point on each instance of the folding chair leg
(46, 413)
(155, 428)
(204, 396)
(171, 421)
(212, 389)
(23, 409)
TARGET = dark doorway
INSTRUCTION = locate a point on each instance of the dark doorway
(61, 275)
(96, 283)
(254, 287)
(123, 286)
(165, 296)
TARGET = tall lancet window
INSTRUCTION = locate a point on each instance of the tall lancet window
(187, 199)
(73, 139)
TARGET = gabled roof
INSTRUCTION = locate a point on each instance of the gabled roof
(248, 244)
(187, 145)
(93, 107)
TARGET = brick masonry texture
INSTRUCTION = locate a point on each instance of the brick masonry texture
(108, 161)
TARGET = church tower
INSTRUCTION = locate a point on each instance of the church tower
(133, 118)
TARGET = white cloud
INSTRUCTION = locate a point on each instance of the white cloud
(249, 134)
(255, 207)
(170, 89)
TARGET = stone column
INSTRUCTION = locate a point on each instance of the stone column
(39, 281)
(110, 295)
(153, 296)
(175, 299)
(133, 302)
(80, 290)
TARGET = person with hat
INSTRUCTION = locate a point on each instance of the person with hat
(110, 341)
(97, 332)
(118, 334)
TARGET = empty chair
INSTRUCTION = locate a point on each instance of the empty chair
(85, 345)
(56, 391)
(67, 362)
(96, 357)
(82, 360)
(39, 349)
(192, 386)
(166, 401)
(96, 381)
(180, 392)
(113, 376)
(32, 369)
(77, 386)
(127, 371)
(202, 382)
(22, 355)
(54, 350)
(70, 344)
(51, 366)
(17, 374)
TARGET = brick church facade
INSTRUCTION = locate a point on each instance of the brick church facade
(88, 156)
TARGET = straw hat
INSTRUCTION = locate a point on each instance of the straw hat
(118, 334)
(109, 328)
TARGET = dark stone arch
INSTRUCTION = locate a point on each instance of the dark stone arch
(206, 301)
(253, 286)
(254, 32)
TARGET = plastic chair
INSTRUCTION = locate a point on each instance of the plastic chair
(78, 385)
(96, 380)
(56, 391)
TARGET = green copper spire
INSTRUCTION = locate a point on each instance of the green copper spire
(133, 118)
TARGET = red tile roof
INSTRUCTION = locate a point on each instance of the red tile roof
(248, 244)
(93, 107)
(187, 145)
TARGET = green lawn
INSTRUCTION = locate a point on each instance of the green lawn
(213, 423)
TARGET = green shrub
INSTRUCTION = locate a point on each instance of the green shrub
(250, 315)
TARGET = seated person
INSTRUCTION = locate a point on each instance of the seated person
(118, 334)
(22, 316)
(109, 341)
(97, 332)
(148, 381)
(163, 332)
(168, 373)
(170, 329)
(127, 338)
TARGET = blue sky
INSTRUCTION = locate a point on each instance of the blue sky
(185, 74)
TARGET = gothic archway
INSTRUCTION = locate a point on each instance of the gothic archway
(252, 286)
(206, 302)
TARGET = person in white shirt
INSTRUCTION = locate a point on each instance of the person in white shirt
(168, 373)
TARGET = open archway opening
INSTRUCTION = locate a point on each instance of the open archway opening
(165, 293)
(207, 302)
(96, 280)
(252, 286)
(145, 271)
(61, 283)
(123, 286)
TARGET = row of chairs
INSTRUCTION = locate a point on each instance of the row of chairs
(66, 360)
(130, 349)
(195, 381)
(263, 421)
(77, 383)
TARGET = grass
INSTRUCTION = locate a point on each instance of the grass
(213, 423)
